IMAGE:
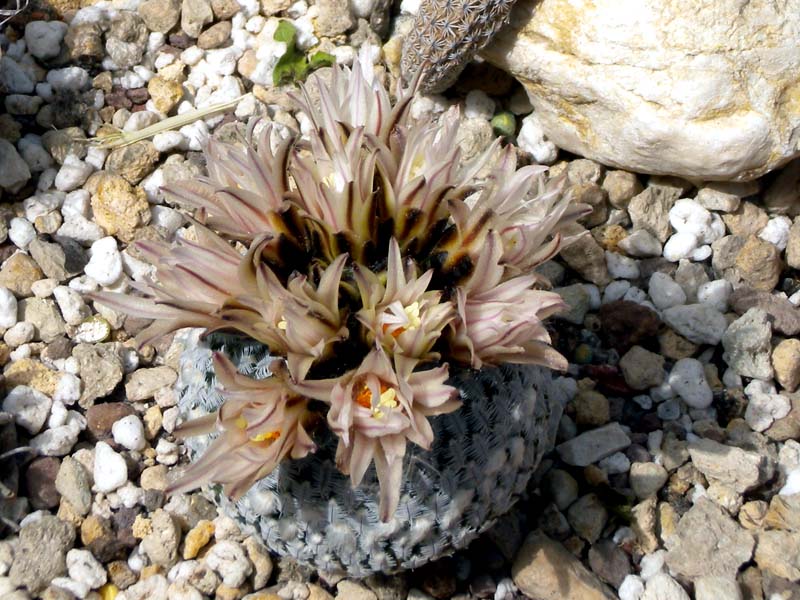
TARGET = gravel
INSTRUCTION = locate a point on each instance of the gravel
(683, 314)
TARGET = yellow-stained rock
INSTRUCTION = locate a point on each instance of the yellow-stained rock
(31, 372)
(118, 207)
(197, 538)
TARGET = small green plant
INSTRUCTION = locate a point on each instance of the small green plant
(294, 65)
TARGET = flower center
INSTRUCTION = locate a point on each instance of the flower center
(387, 399)
(269, 436)
(401, 318)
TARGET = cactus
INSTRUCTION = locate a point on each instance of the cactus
(482, 458)
(446, 35)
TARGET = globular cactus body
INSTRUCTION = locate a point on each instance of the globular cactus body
(446, 35)
(482, 458)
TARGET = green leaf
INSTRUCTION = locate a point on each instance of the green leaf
(321, 59)
(285, 32)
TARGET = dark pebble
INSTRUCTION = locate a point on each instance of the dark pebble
(40, 479)
(118, 99)
(181, 41)
(138, 95)
(101, 417)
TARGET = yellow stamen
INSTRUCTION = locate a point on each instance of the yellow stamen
(269, 436)
(282, 324)
(387, 399)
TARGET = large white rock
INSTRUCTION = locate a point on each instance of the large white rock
(698, 89)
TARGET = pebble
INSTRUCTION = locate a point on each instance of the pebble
(642, 369)
(698, 323)
(110, 469)
(717, 588)
(664, 587)
(741, 469)
(647, 479)
(631, 588)
(73, 173)
(8, 308)
(543, 568)
(28, 406)
(144, 383)
(84, 568)
(747, 344)
(129, 433)
(688, 380)
(665, 292)
(591, 446)
(161, 542)
(532, 139)
(40, 553)
(229, 561)
(21, 232)
(759, 264)
(764, 408)
(105, 264)
(71, 303)
(786, 363)
(621, 267)
(14, 171)
(73, 482)
(58, 441)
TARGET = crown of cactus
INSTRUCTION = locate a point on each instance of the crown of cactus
(369, 259)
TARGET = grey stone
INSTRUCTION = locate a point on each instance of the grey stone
(161, 544)
(708, 542)
(50, 258)
(144, 383)
(785, 316)
(195, 14)
(650, 209)
(743, 470)
(779, 553)
(562, 487)
(747, 344)
(73, 482)
(717, 588)
(14, 171)
(101, 370)
(698, 323)
(40, 553)
(647, 478)
(44, 315)
(334, 18)
(578, 301)
(594, 445)
(609, 562)
(588, 517)
(586, 256)
(642, 369)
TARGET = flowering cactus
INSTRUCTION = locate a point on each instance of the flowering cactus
(372, 262)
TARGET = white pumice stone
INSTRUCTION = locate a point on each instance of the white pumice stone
(68, 389)
(110, 470)
(168, 140)
(76, 204)
(44, 287)
(84, 568)
(8, 308)
(20, 333)
(72, 306)
(129, 433)
(532, 139)
(28, 406)
(776, 231)
(105, 264)
(478, 105)
(715, 293)
(72, 174)
(680, 245)
(641, 243)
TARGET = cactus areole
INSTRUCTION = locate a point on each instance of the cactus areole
(369, 390)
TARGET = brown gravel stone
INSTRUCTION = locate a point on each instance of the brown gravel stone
(591, 409)
(18, 274)
(101, 417)
(40, 480)
(215, 36)
(160, 15)
(785, 316)
(746, 220)
(133, 163)
(786, 362)
(625, 324)
(759, 263)
(224, 9)
(586, 256)
(675, 346)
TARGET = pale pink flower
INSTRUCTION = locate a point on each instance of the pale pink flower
(260, 423)
(401, 315)
(376, 409)
(501, 321)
